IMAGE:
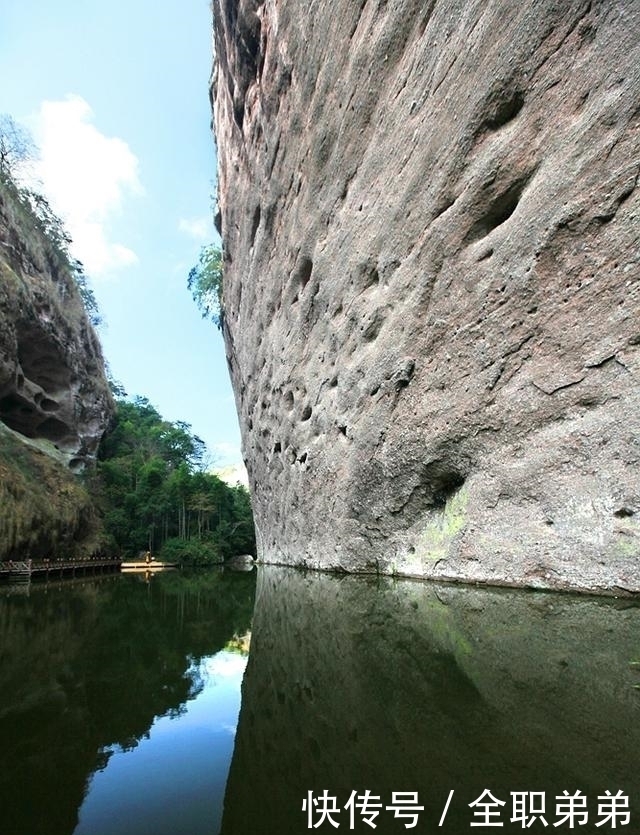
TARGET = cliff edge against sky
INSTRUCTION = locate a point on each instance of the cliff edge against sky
(430, 219)
(55, 402)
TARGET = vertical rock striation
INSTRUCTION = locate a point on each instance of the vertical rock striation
(430, 219)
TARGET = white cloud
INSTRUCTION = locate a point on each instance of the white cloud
(198, 228)
(86, 176)
(232, 474)
(225, 664)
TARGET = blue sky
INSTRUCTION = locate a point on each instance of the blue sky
(116, 96)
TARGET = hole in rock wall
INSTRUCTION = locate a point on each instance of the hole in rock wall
(498, 212)
(48, 405)
(238, 112)
(19, 415)
(303, 273)
(623, 512)
(506, 109)
(53, 429)
(306, 413)
(444, 485)
(40, 360)
(255, 223)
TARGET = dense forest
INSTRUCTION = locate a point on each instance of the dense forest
(156, 494)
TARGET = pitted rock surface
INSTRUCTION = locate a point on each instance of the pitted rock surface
(430, 219)
(52, 379)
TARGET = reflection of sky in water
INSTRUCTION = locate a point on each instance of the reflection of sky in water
(174, 779)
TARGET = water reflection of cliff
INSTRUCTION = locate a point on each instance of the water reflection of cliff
(88, 666)
(399, 686)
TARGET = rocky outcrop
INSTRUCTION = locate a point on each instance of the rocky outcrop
(55, 402)
(432, 284)
(52, 380)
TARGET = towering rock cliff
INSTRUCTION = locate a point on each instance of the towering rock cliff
(54, 399)
(432, 283)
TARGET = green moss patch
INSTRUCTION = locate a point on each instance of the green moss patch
(443, 527)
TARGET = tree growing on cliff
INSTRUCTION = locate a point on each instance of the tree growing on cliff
(17, 149)
(205, 284)
(16, 146)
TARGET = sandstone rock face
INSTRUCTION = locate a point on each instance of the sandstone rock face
(52, 380)
(430, 219)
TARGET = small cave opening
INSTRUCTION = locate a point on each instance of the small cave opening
(48, 405)
(306, 413)
(444, 485)
(238, 112)
(20, 415)
(53, 430)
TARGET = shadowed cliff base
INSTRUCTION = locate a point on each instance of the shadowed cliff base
(432, 284)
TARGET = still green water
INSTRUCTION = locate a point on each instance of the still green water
(120, 701)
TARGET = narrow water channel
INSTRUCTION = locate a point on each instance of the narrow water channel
(120, 709)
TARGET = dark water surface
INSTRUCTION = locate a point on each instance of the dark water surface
(119, 702)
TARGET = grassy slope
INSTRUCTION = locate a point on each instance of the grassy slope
(45, 511)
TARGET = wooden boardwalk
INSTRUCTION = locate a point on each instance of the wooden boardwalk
(27, 570)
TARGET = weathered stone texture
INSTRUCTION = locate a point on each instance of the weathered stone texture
(55, 402)
(432, 283)
(52, 380)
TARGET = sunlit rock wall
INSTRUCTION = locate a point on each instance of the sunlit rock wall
(430, 222)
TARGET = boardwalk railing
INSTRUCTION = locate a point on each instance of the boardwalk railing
(31, 569)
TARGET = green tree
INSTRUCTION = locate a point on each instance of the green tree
(156, 494)
(16, 147)
(205, 284)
